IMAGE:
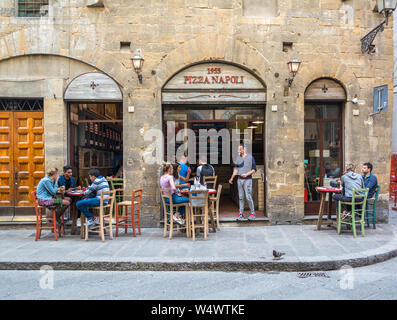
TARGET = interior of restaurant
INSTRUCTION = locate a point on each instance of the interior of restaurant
(96, 132)
(218, 117)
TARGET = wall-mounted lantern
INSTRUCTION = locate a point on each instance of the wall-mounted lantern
(385, 7)
(137, 62)
(293, 67)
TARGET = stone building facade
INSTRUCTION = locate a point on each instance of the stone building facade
(41, 56)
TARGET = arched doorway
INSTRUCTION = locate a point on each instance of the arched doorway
(223, 97)
(324, 103)
(96, 125)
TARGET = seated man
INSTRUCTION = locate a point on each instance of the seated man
(68, 181)
(205, 170)
(184, 172)
(99, 184)
(350, 180)
(370, 180)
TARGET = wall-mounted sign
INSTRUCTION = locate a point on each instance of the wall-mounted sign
(380, 98)
(214, 82)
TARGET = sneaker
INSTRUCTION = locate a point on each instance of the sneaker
(240, 217)
(78, 223)
(91, 222)
(178, 220)
(68, 223)
(252, 216)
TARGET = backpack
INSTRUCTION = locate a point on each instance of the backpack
(206, 171)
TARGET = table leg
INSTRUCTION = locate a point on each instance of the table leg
(329, 208)
(321, 211)
(73, 211)
(82, 220)
(211, 214)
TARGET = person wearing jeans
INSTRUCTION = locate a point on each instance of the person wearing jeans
(245, 167)
(99, 185)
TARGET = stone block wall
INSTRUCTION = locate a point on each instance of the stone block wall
(325, 36)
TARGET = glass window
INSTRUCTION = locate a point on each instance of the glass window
(322, 111)
(32, 8)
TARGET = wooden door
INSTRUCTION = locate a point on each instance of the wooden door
(28, 155)
(6, 160)
(21, 158)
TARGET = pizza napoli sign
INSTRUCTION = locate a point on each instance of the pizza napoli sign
(214, 79)
(213, 82)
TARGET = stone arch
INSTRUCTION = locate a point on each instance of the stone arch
(93, 86)
(312, 91)
(331, 69)
(214, 48)
(29, 41)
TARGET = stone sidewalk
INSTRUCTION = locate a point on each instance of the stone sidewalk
(240, 248)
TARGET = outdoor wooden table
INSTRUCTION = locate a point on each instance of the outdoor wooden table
(211, 213)
(76, 196)
(323, 192)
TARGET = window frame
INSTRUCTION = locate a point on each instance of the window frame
(17, 11)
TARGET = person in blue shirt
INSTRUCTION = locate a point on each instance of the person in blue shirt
(370, 180)
(67, 179)
(184, 171)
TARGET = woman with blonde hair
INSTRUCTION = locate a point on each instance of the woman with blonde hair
(46, 191)
(167, 183)
(350, 180)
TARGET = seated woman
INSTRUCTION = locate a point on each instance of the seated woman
(167, 183)
(46, 191)
(179, 184)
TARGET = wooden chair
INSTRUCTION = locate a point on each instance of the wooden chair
(50, 223)
(351, 219)
(100, 229)
(169, 209)
(371, 211)
(214, 206)
(210, 181)
(117, 183)
(123, 219)
(198, 200)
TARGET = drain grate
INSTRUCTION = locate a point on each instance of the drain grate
(304, 275)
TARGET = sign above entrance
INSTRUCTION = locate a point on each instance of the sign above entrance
(214, 82)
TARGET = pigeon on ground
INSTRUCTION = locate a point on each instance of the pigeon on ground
(277, 255)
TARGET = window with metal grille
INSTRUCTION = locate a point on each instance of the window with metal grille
(32, 8)
(21, 105)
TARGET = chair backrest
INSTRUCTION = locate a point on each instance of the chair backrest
(167, 207)
(198, 198)
(34, 198)
(210, 181)
(137, 195)
(218, 192)
(359, 193)
(110, 196)
(376, 194)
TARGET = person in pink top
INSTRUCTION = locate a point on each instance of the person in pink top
(167, 183)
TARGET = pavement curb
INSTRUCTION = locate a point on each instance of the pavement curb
(224, 266)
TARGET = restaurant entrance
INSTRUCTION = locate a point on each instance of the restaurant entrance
(95, 113)
(324, 101)
(224, 98)
(221, 118)
(96, 132)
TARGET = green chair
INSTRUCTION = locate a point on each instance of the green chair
(371, 212)
(117, 183)
(351, 219)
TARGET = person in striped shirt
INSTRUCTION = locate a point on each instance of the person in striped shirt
(99, 184)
